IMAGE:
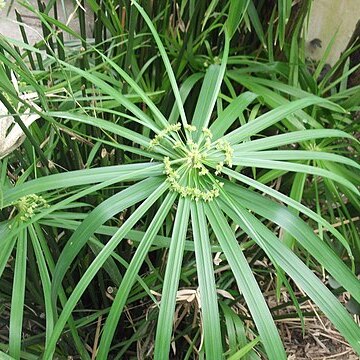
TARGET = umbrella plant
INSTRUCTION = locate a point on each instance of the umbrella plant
(195, 175)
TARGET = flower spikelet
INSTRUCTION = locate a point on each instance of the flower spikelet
(190, 128)
(27, 205)
(158, 137)
(227, 149)
(207, 133)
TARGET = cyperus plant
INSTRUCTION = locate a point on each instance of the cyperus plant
(191, 169)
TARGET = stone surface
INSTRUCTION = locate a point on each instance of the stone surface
(330, 18)
(10, 28)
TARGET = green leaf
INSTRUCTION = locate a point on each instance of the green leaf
(130, 276)
(208, 94)
(165, 60)
(246, 282)
(299, 230)
(45, 282)
(294, 155)
(171, 280)
(105, 125)
(287, 89)
(131, 172)
(296, 193)
(4, 356)
(255, 21)
(230, 327)
(298, 271)
(57, 220)
(114, 93)
(244, 350)
(18, 297)
(207, 287)
(146, 99)
(227, 117)
(8, 242)
(103, 212)
(51, 265)
(97, 264)
(185, 90)
(270, 118)
(236, 332)
(289, 138)
(237, 11)
(294, 204)
(294, 167)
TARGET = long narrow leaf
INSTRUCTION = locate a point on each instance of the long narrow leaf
(301, 232)
(301, 274)
(171, 280)
(270, 118)
(290, 138)
(294, 167)
(130, 276)
(231, 113)
(294, 204)
(103, 212)
(132, 172)
(247, 283)
(18, 297)
(96, 265)
(207, 287)
(45, 281)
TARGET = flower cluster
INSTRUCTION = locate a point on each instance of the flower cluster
(156, 140)
(171, 174)
(208, 136)
(195, 156)
(197, 194)
(190, 128)
(188, 191)
(175, 128)
(219, 168)
(27, 205)
(207, 133)
(225, 146)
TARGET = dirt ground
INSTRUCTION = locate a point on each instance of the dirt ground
(321, 341)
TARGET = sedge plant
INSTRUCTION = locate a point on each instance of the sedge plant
(186, 188)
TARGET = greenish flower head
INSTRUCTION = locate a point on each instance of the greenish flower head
(27, 205)
(188, 172)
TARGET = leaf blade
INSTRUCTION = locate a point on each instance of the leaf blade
(246, 283)
(207, 287)
(171, 280)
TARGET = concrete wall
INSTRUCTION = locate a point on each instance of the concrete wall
(9, 27)
(327, 17)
